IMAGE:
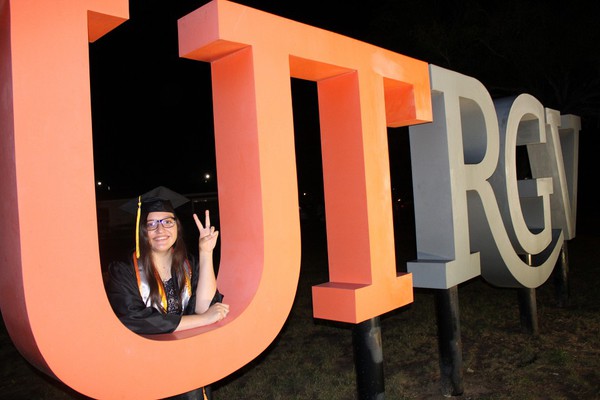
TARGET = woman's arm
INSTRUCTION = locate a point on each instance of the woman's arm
(127, 303)
(215, 313)
(207, 282)
(205, 313)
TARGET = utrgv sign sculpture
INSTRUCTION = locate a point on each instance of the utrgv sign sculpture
(468, 202)
(66, 328)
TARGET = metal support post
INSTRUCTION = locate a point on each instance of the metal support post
(449, 341)
(368, 359)
(561, 277)
(528, 310)
(528, 306)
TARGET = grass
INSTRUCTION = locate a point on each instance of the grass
(313, 359)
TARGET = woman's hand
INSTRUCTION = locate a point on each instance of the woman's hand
(208, 234)
(216, 312)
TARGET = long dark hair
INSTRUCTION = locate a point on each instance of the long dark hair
(177, 264)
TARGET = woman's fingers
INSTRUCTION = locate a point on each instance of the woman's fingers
(222, 310)
(198, 223)
(205, 229)
(206, 218)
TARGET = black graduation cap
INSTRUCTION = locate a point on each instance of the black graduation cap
(157, 199)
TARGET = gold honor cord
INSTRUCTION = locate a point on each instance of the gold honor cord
(137, 227)
(161, 290)
(188, 277)
(143, 283)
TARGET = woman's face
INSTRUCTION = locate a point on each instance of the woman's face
(161, 239)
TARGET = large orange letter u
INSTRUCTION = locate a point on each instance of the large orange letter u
(51, 290)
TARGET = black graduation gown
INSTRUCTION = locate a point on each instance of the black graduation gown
(124, 296)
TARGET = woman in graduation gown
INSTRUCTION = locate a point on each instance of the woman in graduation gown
(162, 288)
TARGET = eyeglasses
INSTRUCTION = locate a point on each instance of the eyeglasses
(167, 223)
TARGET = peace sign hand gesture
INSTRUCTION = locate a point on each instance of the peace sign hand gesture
(208, 234)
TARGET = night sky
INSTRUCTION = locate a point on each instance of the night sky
(152, 115)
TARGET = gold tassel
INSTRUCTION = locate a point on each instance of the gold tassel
(204, 394)
(137, 227)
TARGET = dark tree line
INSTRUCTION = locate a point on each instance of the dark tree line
(548, 49)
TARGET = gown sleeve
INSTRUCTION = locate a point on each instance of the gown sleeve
(191, 307)
(126, 301)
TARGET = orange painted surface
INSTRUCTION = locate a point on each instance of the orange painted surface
(362, 90)
(51, 291)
